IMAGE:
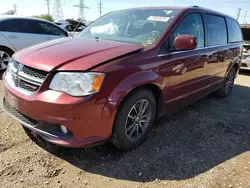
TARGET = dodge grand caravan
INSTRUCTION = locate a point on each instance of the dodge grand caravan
(126, 69)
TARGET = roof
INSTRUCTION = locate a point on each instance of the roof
(9, 17)
(179, 8)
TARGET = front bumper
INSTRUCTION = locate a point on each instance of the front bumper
(83, 117)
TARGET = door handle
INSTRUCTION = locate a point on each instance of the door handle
(49, 38)
(12, 37)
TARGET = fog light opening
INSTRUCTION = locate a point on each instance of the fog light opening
(64, 129)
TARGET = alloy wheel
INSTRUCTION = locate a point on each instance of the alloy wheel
(138, 120)
(230, 81)
(4, 59)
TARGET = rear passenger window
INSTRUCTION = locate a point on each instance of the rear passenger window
(216, 30)
(234, 31)
(192, 24)
(11, 26)
(50, 29)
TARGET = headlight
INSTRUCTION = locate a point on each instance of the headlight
(77, 83)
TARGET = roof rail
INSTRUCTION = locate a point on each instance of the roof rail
(195, 6)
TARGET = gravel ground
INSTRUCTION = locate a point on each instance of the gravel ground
(203, 145)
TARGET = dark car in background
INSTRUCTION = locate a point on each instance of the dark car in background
(245, 65)
(116, 77)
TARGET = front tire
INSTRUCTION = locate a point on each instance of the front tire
(134, 120)
(5, 55)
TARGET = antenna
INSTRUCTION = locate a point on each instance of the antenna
(48, 4)
(82, 8)
(58, 13)
(100, 4)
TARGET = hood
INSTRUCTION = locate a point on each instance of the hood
(73, 53)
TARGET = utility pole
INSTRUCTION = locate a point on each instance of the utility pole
(48, 4)
(58, 13)
(15, 8)
(100, 7)
(245, 17)
(238, 14)
(82, 8)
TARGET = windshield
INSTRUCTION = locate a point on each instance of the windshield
(143, 26)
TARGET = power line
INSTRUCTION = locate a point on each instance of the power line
(47, 2)
(100, 7)
(58, 13)
(82, 8)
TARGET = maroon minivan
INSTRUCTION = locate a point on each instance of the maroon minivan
(115, 78)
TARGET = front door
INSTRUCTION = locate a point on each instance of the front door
(187, 70)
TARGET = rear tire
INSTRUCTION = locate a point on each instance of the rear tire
(5, 55)
(134, 120)
(51, 148)
(226, 89)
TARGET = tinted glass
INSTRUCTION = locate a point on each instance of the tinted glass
(190, 25)
(31, 26)
(11, 26)
(50, 29)
(216, 30)
(21, 26)
(234, 31)
(144, 26)
(246, 33)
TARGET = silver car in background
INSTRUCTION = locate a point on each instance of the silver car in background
(245, 63)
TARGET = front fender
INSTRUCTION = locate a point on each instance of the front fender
(133, 81)
(123, 88)
(6, 43)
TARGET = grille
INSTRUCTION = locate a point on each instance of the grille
(27, 86)
(21, 117)
(34, 72)
(26, 79)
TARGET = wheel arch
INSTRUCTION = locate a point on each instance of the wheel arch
(5, 43)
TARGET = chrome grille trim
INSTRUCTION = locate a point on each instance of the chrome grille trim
(31, 78)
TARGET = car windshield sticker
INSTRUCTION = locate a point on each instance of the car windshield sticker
(168, 11)
(149, 42)
(158, 18)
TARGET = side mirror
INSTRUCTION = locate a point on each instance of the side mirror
(185, 42)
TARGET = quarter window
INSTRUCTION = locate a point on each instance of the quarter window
(50, 29)
(190, 25)
(234, 31)
(216, 30)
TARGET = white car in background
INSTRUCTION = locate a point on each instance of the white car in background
(245, 63)
(19, 32)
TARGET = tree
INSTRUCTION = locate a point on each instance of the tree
(45, 17)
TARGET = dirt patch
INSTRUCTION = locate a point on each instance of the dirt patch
(203, 145)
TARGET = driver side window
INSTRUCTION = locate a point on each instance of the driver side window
(192, 24)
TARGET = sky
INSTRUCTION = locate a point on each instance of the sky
(37, 7)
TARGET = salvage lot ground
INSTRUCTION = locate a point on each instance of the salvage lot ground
(203, 145)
